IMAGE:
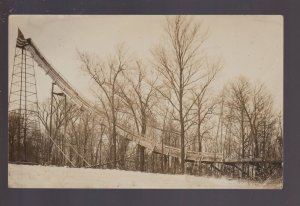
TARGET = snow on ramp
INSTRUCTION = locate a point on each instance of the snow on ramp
(25, 176)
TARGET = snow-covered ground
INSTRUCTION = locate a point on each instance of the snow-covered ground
(25, 176)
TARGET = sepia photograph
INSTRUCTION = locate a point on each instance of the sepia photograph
(145, 101)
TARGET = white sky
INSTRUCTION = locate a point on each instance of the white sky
(251, 46)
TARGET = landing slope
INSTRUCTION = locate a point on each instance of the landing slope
(25, 176)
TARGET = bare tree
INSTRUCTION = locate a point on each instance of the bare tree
(181, 64)
(238, 98)
(62, 114)
(139, 99)
(105, 75)
(252, 121)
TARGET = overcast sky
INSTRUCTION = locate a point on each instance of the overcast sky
(251, 46)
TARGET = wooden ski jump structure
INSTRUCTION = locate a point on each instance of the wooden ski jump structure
(73, 95)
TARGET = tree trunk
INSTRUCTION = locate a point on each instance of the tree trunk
(114, 145)
(181, 122)
(142, 158)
